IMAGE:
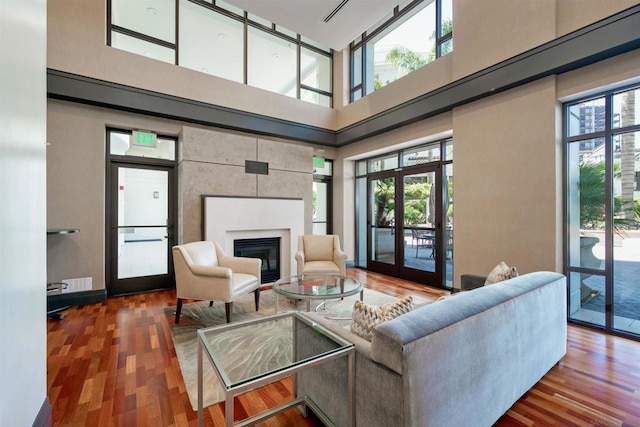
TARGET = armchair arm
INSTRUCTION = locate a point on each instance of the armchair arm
(471, 281)
(210, 271)
(300, 261)
(242, 264)
(339, 256)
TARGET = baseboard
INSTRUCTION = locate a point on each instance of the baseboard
(58, 301)
(44, 415)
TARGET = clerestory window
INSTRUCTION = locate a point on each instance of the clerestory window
(222, 40)
(412, 35)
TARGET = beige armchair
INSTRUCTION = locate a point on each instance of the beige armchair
(320, 254)
(205, 272)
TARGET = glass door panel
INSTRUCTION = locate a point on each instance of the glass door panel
(142, 218)
(140, 230)
(320, 207)
(447, 205)
(382, 221)
(419, 191)
(586, 223)
(626, 239)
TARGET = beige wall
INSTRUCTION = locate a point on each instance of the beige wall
(212, 163)
(507, 180)
(506, 29)
(575, 14)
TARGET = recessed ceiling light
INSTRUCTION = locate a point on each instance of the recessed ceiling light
(222, 36)
(153, 11)
(275, 56)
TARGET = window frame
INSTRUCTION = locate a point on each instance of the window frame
(381, 30)
(274, 30)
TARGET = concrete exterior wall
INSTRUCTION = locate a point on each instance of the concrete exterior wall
(213, 163)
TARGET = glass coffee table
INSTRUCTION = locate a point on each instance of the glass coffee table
(298, 343)
(317, 286)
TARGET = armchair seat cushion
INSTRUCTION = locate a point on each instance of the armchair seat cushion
(321, 267)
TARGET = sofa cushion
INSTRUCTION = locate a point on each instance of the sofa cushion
(366, 317)
(500, 273)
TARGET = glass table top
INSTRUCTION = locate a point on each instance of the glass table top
(247, 351)
(317, 286)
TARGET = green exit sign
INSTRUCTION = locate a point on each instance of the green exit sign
(318, 162)
(144, 139)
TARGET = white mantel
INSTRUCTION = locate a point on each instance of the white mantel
(230, 218)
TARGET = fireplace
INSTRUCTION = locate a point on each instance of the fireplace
(267, 249)
(227, 219)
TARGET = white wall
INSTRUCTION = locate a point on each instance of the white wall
(23, 339)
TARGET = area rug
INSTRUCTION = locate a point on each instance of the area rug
(199, 315)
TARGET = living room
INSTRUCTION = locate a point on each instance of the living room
(508, 155)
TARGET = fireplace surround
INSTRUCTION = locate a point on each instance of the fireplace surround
(227, 219)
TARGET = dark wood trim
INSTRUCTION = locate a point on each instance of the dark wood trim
(612, 36)
(43, 419)
(86, 90)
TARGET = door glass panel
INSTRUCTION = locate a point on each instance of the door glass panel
(383, 163)
(586, 223)
(361, 222)
(626, 238)
(419, 221)
(448, 222)
(320, 209)
(142, 219)
(122, 144)
(421, 155)
(383, 220)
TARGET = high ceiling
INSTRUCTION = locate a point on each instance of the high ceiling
(307, 17)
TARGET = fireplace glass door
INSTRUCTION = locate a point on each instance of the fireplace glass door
(267, 249)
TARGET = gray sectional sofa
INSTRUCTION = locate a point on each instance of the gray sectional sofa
(461, 361)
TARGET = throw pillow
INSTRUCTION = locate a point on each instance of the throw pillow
(366, 317)
(501, 272)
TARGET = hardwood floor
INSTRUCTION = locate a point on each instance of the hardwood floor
(114, 364)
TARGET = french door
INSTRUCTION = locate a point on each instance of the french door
(406, 234)
(140, 227)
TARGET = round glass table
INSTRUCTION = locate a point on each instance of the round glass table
(317, 286)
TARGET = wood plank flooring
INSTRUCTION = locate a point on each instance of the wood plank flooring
(114, 364)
